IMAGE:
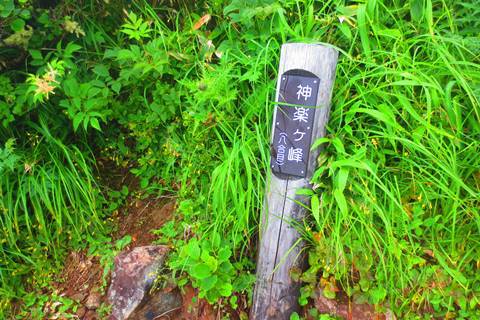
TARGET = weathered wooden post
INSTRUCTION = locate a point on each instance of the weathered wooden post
(304, 87)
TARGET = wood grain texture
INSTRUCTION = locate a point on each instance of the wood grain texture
(280, 250)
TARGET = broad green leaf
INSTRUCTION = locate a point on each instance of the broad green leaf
(116, 86)
(294, 316)
(25, 14)
(6, 7)
(350, 163)
(225, 289)
(209, 260)
(17, 25)
(216, 240)
(391, 33)
(378, 294)
(305, 192)
(193, 249)
(328, 292)
(36, 54)
(225, 267)
(70, 87)
(364, 284)
(94, 123)
(77, 120)
(200, 271)
(144, 183)
(86, 121)
(319, 142)
(101, 70)
(224, 254)
(92, 92)
(338, 144)
(208, 283)
(110, 53)
(125, 54)
(341, 178)
(70, 49)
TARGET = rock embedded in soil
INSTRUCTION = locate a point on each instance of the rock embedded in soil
(133, 275)
(164, 303)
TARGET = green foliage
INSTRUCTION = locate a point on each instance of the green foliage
(40, 306)
(188, 111)
(41, 86)
(86, 102)
(47, 197)
(136, 28)
(294, 316)
(103, 248)
(8, 158)
(208, 265)
(7, 98)
(396, 188)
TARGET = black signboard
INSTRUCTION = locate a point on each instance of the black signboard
(294, 123)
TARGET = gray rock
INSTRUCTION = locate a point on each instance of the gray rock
(133, 276)
(158, 304)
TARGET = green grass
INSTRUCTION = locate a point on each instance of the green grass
(396, 221)
(48, 197)
(395, 208)
(398, 182)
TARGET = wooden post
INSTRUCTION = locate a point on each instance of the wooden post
(305, 78)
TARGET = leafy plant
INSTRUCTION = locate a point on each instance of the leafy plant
(136, 28)
(42, 86)
(391, 190)
(53, 306)
(102, 247)
(86, 103)
(180, 96)
(47, 197)
(208, 265)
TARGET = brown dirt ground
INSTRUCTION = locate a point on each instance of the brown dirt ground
(82, 275)
(81, 279)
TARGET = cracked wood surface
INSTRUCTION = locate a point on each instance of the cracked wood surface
(280, 248)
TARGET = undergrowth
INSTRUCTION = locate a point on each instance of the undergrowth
(180, 94)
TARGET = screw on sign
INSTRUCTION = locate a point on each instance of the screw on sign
(304, 87)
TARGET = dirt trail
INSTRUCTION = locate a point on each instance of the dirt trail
(82, 277)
